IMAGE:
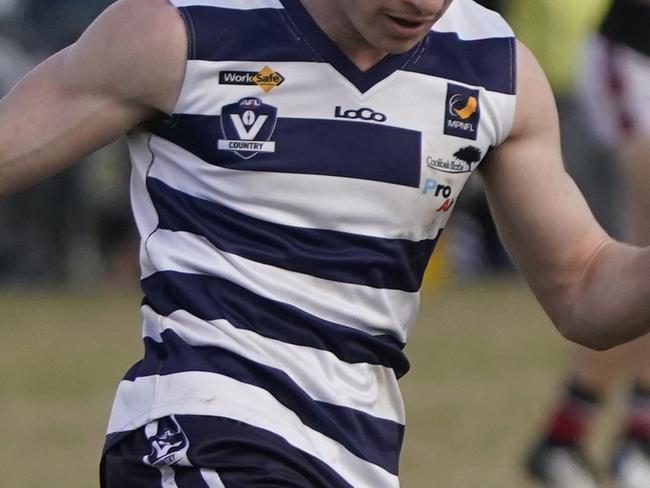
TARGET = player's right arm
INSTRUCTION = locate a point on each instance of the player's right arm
(126, 68)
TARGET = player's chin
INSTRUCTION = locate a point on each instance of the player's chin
(400, 46)
(400, 43)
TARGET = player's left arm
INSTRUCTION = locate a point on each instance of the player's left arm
(595, 290)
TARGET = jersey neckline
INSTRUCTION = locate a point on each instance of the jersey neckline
(329, 51)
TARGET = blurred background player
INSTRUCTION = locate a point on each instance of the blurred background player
(614, 89)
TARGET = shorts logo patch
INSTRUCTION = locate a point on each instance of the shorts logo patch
(169, 443)
(462, 113)
(266, 78)
(247, 127)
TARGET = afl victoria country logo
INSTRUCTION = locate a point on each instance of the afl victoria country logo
(462, 112)
(247, 127)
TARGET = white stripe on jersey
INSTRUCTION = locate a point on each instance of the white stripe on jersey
(369, 388)
(306, 200)
(472, 21)
(389, 96)
(371, 310)
(192, 393)
(232, 4)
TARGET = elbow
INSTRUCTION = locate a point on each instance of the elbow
(588, 335)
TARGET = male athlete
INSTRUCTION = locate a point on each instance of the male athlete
(614, 87)
(294, 162)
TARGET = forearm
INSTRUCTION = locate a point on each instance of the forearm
(610, 304)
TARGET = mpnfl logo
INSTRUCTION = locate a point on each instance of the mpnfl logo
(462, 112)
(247, 127)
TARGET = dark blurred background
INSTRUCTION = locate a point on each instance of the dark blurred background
(76, 227)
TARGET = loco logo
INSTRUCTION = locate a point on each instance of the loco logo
(247, 127)
(362, 113)
(462, 113)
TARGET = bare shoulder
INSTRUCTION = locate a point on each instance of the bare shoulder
(535, 106)
(135, 50)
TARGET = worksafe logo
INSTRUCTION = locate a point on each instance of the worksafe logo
(247, 127)
(462, 113)
(266, 78)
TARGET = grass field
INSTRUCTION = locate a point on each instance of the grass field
(485, 362)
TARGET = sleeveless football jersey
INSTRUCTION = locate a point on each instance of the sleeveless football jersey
(288, 209)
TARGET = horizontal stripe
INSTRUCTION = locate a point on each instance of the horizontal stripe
(404, 89)
(291, 35)
(371, 310)
(246, 35)
(373, 439)
(197, 393)
(310, 146)
(236, 450)
(487, 63)
(212, 298)
(338, 256)
(232, 4)
(388, 211)
(368, 388)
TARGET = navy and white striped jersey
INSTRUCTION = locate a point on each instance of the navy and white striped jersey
(288, 209)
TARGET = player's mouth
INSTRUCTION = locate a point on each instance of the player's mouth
(409, 25)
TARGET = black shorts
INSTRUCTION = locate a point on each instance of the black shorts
(190, 451)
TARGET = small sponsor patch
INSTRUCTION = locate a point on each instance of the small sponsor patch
(462, 112)
(266, 78)
(463, 160)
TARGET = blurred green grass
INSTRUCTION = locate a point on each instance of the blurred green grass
(485, 363)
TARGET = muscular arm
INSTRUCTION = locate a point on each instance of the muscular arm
(595, 290)
(126, 68)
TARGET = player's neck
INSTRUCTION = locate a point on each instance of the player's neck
(341, 31)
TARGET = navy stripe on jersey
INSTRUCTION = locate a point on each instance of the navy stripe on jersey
(489, 63)
(188, 477)
(309, 146)
(244, 455)
(340, 256)
(371, 438)
(216, 35)
(231, 448)
(213, 298)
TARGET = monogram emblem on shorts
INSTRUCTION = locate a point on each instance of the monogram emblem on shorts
(168, 442)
